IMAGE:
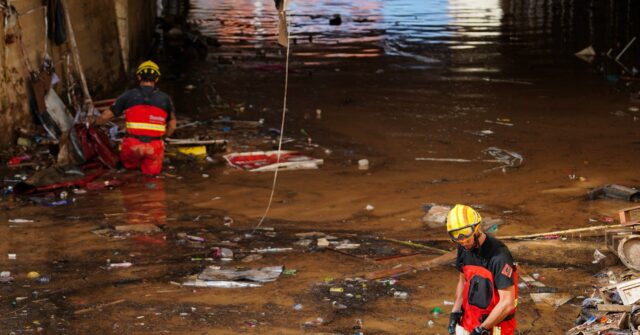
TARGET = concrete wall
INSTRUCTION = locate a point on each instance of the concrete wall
(97, 33)
(141, 27)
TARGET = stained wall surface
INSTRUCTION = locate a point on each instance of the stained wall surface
(97, 32)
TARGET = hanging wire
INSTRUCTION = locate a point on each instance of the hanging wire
(284, 113)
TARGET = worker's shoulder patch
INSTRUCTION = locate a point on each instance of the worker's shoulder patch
(507, 270)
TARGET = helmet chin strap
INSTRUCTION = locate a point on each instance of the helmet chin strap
(476, 242)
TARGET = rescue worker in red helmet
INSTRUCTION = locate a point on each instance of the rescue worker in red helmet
(487, 290)
(149, 115)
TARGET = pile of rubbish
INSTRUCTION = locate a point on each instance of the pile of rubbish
(613, 308)
(216, 276)
(351, 294)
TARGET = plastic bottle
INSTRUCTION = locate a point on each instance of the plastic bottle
(357, 329)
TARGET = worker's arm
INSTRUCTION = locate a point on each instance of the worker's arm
(171, 125)
(104, 117)
(456, 311)
(504, 307)
(457, 304)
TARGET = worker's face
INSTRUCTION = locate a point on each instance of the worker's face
(469, 243)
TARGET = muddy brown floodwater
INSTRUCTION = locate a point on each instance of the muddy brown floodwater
(397, 80)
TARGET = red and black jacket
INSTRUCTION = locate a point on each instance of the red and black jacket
(486, 270)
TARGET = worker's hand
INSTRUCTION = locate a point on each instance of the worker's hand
(480, 331)
(92, 119)
(454, 319)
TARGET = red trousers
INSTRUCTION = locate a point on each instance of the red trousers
(147, 156)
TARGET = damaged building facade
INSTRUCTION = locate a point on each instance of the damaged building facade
(110, 35)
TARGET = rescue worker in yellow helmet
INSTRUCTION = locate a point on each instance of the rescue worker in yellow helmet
(149, 115)
(487, 290)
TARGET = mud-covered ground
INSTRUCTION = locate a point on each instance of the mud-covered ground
(564, 120)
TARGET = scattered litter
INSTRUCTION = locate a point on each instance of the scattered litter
(363, 164)
(251, 258)
(629, 291)
(502, 122)
(220, 284)
(336, 290)
(315, 322)
(12, 256)
(259, 161)
(33, 275)
(191, 237)
(323, 243)
(120, 265)
(628, 251)
(346, 246)
(400, 295)
(271, 250)
(228, 221)
(139, 228)
(20, 221)
(485, 132)
(614, 191)
(298, 307)
(369, 207)
(224, 254)
(598, 256)
(98, 307)
(588, 51)
(554, 299)
(232, 278)
(436, 215)
(5, 277)
(336, 20)
(507, 158)
(193, 152)
(587, 54)
(310, 234)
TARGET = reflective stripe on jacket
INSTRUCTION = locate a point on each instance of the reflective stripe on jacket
(146, 120)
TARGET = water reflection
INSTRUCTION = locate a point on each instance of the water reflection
(144, 202)
(425, 31)
(247, 24)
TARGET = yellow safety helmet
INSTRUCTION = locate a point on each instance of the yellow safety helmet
(462, 222)
(148, 70)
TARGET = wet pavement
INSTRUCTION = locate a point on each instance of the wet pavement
(396, 81)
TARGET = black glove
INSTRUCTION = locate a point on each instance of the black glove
(480, 331)
(454, 319)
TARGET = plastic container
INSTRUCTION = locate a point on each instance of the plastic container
(363, 164)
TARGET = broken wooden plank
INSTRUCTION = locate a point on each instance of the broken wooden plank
(99, 306)
(360, 257)
(416, 245)
(559, 232)
(625, 216)
(407, 268)
(139, 228)
(629, 291)
(554, 299)
(614, 308)
(400, 258)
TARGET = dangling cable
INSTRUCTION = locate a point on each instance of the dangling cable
(284, 113)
